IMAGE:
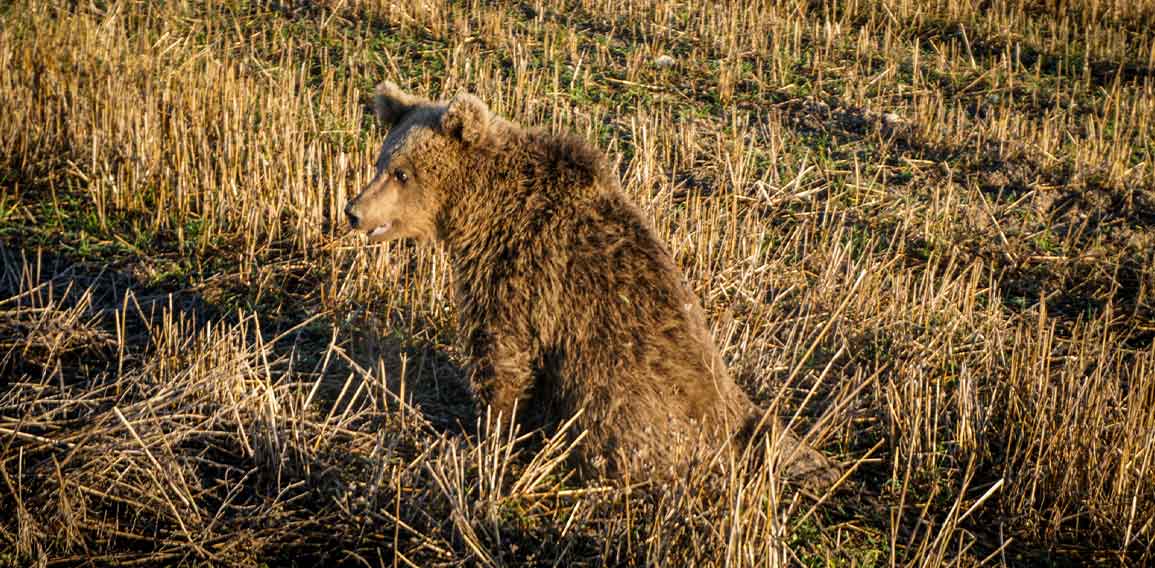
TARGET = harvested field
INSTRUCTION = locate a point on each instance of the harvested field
(924, 232)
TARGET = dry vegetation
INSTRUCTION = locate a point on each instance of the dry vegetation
(923, 230)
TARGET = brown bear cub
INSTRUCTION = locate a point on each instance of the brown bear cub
(566, 299)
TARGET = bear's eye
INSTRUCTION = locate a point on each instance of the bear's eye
(400, 175)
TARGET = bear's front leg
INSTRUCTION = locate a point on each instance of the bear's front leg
(500, 372)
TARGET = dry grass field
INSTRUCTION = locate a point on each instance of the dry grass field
(924, 232)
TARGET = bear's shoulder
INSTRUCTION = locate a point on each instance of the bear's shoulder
(564, 159)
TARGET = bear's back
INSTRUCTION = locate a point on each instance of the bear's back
(630, 343)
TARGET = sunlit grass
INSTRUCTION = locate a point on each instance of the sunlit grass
(922, 230)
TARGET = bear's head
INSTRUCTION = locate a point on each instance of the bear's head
(422, 161)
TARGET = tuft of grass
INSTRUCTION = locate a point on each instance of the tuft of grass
(923, 231)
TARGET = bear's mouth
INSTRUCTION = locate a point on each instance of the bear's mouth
(381, 229)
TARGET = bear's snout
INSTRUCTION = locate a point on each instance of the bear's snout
(351, 214)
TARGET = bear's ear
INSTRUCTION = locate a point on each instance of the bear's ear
(390, 103)
(466, 119)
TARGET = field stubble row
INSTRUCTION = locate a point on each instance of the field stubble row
(923, 229)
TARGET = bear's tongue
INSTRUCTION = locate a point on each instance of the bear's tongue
(380, 230)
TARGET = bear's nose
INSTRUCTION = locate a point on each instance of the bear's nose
(354, 220)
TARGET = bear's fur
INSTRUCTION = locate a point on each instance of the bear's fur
(566, 299)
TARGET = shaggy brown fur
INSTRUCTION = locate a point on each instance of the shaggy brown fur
(566, 299)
